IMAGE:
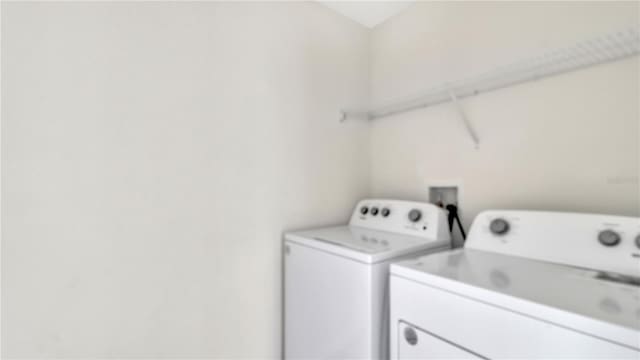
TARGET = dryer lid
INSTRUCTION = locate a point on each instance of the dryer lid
(514, 282)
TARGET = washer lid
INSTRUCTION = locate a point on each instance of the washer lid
(604, 304)
(364, 245)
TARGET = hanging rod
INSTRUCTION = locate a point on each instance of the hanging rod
(602, 49)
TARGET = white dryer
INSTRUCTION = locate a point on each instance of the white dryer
(336, 279)
(526, 285)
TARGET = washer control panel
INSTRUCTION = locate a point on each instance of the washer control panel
(404, 217)
(601, 242)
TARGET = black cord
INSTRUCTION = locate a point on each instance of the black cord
(453, 217)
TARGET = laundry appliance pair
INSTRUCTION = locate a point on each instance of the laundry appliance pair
(527, 284)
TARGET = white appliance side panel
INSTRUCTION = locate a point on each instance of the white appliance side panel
(415, 343)
(380, 310)
(490, 331)
(327, 305)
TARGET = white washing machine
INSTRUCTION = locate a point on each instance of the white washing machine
(336, 279)
(526, 285)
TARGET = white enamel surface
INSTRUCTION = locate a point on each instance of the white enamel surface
(427, 346)
(336, 280)
(488, 329)
(566, 288)
(565, 238)
(363, 245)
(335, 307)
(325, 293)
(533, 292)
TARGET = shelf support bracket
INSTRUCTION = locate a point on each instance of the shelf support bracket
(463, 117)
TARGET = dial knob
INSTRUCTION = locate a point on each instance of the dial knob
(364, 210)
(608, 238)
(499, 226)
(415, 215)
(410, 336)
(374, 211)
(385, 212)
(638, 241)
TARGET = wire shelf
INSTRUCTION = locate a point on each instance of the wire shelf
(602, 49)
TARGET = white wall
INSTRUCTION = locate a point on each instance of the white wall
(152, 154)
(568, 143)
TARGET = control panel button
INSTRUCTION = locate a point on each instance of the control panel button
(374, 211)
(385, 212)
(364, 210)
(415, 215)
(609, 238)
(638, 241)
(499, 226)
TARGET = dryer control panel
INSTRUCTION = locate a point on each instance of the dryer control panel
(403, 217)
(602, 242)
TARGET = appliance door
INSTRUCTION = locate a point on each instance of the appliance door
(327, 312)
(416, 343)
(486, 330)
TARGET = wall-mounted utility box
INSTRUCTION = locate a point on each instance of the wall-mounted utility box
(443, 195)
(447, 193)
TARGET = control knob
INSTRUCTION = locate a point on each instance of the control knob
(608, 238)
(385, 212)
(374, 211)
(638, 241)
(364, 210)
(415, 215)
(410, 336)
(499, 226)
